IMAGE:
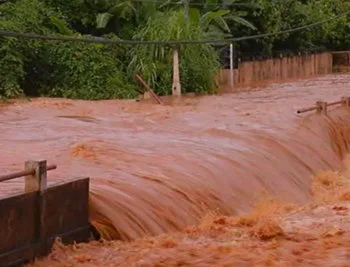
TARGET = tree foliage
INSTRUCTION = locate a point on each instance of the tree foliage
(92, 71)
(154, 62)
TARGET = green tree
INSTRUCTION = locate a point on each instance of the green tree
(22, 16)
(215, 19)
(93, 71)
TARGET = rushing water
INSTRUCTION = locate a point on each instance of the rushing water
(158, 169)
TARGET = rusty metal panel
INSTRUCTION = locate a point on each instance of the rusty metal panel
(18, 221)
(19, 256)
(82, 234)
(30, 222)
(64, 208)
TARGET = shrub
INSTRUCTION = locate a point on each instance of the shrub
(21, 16)
(85, 71)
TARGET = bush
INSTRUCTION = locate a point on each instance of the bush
(84, 71)
(25, 16)
(65, 69)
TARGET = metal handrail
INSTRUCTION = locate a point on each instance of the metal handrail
(19, 174)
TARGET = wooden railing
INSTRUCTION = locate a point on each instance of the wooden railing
(321, 107)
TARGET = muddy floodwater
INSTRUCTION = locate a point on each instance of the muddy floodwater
(159, 169)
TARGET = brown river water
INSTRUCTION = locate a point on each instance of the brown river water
(159, 169)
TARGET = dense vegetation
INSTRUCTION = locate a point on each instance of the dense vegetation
(96, 71)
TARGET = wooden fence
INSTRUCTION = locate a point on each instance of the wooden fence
(259, 72)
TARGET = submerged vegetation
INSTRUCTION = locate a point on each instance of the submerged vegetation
(97, 71)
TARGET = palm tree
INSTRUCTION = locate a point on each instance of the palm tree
(213, 17)
(125, 14)
(124, 10)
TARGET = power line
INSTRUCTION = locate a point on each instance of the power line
(100, 40)
(182, 2)
(290, 30)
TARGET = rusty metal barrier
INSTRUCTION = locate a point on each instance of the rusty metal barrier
(31, 221)
(321, 106)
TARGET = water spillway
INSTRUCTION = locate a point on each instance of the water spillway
(157, 169)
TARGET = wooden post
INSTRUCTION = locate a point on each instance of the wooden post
(321, 107)
(176, 73)
(38, 181)
(346, 101)
(231, 66)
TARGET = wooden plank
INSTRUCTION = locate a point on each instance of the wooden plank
(65, 207)
(148, 89)
(18, 221)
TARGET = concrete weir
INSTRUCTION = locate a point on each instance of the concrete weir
(31, 221)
